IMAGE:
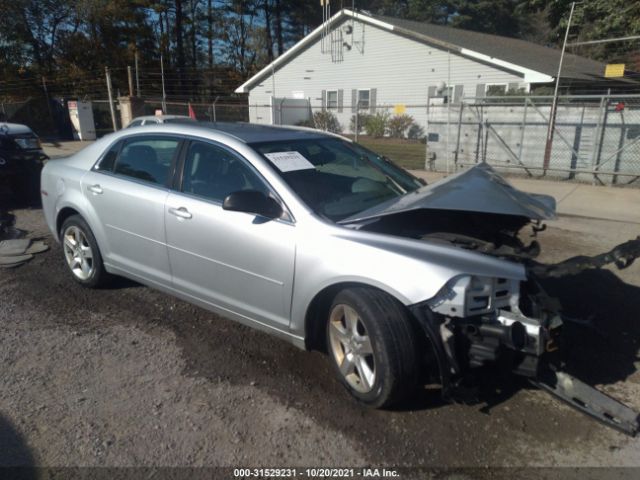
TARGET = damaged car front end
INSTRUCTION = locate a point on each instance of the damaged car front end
(475, 321)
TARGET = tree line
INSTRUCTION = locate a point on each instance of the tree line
(208, 47)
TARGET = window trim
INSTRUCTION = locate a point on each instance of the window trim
(176, 186)
(327, 106)
(358, 104)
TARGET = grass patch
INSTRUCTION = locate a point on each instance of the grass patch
(407, 154)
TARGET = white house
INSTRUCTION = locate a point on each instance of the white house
(377, 61)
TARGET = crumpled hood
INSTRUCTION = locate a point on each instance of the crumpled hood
(477, 189)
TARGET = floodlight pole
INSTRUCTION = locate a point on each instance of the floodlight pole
(554, 104)
(164, 94)
(110, 94)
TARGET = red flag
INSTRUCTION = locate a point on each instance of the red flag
(192, 114)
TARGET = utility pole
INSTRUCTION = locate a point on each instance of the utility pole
(554, 104)
(137, 76)
(113, 111)
(164, 95)
(130, 78)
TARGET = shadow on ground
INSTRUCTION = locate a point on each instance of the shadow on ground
(606, 352)
(16, 459)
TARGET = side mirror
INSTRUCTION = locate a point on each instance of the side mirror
(252, 201)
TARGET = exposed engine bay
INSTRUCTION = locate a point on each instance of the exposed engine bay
(476, 321)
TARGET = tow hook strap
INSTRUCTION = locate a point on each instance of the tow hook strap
(588, 400)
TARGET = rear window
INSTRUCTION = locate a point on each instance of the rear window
(147, 158)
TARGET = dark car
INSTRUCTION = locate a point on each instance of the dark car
(21, 160)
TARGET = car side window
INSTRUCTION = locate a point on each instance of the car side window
(213, 173)
(147, 158)
(135, 123)
(109, 158)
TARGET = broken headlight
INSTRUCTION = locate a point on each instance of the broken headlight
(469, 295)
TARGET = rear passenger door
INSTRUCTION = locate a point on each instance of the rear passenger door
(127, 190)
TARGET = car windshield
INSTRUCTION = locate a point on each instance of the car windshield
(334, 177)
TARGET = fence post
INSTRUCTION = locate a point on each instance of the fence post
(598, 136)
(455, 158)
(109, 91)
(214, 108)
(356, 122)
(427, 164)
(524, 124)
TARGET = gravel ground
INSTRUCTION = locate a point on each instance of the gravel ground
(128, 376)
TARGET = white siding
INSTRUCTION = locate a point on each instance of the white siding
(401, 70)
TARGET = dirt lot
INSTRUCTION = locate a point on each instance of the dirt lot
(128, 376)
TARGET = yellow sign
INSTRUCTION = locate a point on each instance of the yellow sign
(399, 109)
(614, 70)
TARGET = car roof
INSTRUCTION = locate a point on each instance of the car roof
(159, 117)
(254, 133)
(13, 129)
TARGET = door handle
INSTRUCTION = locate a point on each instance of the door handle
(95, 189)
(180, 212)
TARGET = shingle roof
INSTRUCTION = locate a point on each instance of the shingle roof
(517, 54)
(520, 52)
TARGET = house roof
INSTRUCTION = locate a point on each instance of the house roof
(537, 64)
(520, 52)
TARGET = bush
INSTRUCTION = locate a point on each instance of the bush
(363, 118)
(416, 132)
(306, 123)
(399, 124)
(324, 120)
(376, 125)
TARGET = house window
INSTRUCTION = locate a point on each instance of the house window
(364, 99)
(332, 99)
(495, 89)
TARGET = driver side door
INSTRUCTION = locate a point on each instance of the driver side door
(236, 262)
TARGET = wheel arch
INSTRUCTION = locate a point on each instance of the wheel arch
(63, 214)
(318, 310)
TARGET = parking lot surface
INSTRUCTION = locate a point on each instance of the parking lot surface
(130, 376)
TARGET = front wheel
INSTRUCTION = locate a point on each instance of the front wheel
(372, 346)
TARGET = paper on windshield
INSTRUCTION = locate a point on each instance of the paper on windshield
(289, 161)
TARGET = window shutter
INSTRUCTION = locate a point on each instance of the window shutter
(372, 100)
(458, 91)
(340, 100)
(324, 99)
(480, 90)
(354, 101)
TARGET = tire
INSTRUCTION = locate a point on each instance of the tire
(374, 355)
(81, 253)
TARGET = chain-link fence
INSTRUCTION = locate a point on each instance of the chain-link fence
(219, 110)
(596, 138)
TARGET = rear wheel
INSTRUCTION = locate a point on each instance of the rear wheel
(372, 346)
(81, 253)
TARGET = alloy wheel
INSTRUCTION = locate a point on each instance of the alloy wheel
(351, 348)
(78, 252)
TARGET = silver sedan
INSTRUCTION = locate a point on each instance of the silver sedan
(312, 238)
